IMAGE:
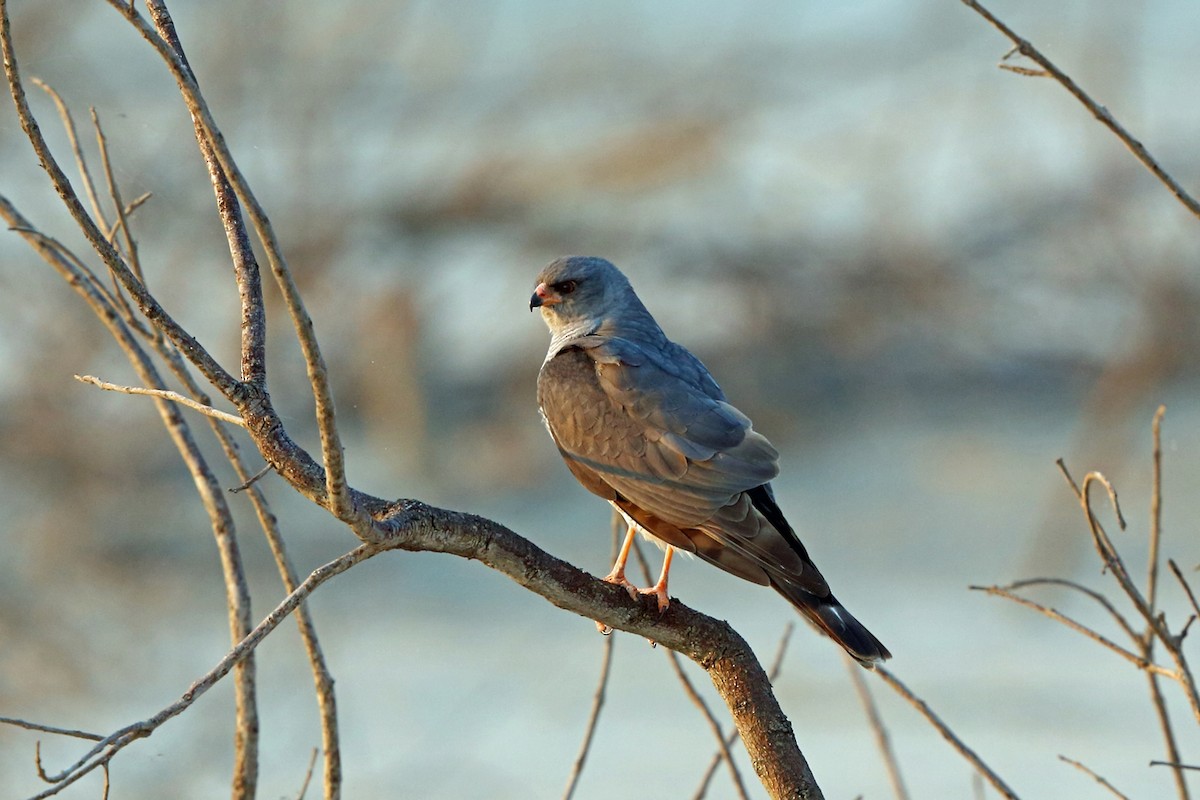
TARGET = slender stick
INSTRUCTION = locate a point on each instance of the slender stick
(882, 740)
(110, 745)
(713, 724)
(1098, 111)
(923, 708)
(1098, 778)
(339, 499)
(174, 397)
(150, 306)
(593, 718)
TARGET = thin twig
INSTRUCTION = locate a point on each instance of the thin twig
(68, 120)
(1186, 587)
(114, 192)
(593, 718)
(312, 762)
(615, 528)
(1058, 616)
(339, 499)
(690, 690)
(882, 739)
(110, 745)
(253, 479)
(1103, 601)
(923, 708)
(166, 394)
(1155, 512)
(37, 726)
(1098, 778)
(1098, 111)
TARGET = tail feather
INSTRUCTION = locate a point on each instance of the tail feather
(839, 624)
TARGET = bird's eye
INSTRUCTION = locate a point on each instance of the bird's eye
(566, 287)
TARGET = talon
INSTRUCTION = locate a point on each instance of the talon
(660, 594)
(617, 578)
(659, 590)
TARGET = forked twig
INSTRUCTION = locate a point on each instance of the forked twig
(1140, 661)
(1098, 111)
(112, 744)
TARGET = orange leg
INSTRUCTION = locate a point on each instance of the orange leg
(659, 590)
(617, 575)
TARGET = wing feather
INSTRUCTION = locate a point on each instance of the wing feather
(655, 438)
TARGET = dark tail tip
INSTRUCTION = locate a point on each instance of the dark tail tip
(839, 624)
(847, 631)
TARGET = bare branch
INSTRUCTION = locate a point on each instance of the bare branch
(1140, 661)
(1098, 111)
(35, 726)
(339, 499)
(107, 252)
(923, 708)
(882, 740)
(1100, 780)
(174, 397)
(713, 724)
(719, 756)
(109, 746)
(593, 719)
(1155, 512)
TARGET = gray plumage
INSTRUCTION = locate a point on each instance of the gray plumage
(641, 423)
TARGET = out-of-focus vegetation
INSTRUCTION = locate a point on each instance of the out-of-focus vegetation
(918, 274)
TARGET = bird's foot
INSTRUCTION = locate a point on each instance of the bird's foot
(659, 590)
(617, 578)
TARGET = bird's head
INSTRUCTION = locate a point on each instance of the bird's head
(578, 294)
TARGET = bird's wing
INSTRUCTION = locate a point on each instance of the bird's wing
(659, 440)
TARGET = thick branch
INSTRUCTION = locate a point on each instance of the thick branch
(713, 644)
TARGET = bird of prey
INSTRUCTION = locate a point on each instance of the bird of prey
(641, 423)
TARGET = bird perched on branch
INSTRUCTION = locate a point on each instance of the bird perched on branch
(641, 423)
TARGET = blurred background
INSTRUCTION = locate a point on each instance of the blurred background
(923, 277)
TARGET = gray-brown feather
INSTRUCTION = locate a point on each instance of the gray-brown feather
(676, 459)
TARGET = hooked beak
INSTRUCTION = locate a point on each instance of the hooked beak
(543, 295)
